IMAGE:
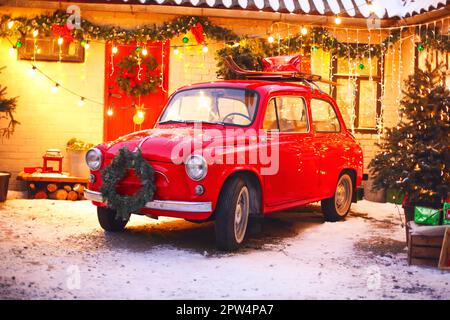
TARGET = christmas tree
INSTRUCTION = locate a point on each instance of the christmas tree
(7, 109)
(414, 157)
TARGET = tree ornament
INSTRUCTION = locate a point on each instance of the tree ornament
(185, 39)
(139, 116)
(138, 49)
(420, 47)
(116, 171)
(361, 66)
(83, 43)
(19, 44)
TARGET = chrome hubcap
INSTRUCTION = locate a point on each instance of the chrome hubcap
(241, 214)
(342, 197)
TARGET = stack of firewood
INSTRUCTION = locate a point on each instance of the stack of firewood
(61, 192)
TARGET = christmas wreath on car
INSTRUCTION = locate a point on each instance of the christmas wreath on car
(116, 171)
(138, 76)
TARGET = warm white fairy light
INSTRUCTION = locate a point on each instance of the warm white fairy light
(144, 52)
(35, 33)
(271, 39)
(81, 102)
(337, 20)
(163, 56)
(176, 51)
(304, 31)
(10, 24)
(205, 49)
(12, 51)
(399, 79)
(110, 112)
(114, 50)
(140, 114)
(60, 41)
(33, 70)
(55, 87)
(380, 120)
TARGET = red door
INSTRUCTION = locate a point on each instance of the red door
(119, 107)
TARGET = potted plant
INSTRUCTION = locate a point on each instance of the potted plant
(76, 151)
(414, 156)
(7, 126)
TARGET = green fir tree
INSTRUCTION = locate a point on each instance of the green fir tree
(414, 157)
(7, 109)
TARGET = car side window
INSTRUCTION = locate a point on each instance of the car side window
(324, 116)
(291, 112)
(270, 118)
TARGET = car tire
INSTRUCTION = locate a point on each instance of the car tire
(232, 212)
(108, 221)
(337, 207)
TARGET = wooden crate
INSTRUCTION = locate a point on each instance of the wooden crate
(444, 260)
(424, 249)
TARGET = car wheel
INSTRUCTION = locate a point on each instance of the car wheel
(232, 214)
(108, 221)
(338, 206)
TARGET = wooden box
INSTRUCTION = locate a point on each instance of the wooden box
(424, 249)
(444, 261)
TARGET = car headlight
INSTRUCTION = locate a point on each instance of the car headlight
(196, 167)
(94, 159)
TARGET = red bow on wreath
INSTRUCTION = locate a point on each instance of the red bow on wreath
(62, 31)
(197, 31)
(127, 74)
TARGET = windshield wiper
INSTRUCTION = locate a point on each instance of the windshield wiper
(172, 121)
(191, 121)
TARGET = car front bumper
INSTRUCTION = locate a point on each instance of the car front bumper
(166, 205)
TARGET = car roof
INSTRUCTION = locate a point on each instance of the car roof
(259, 85)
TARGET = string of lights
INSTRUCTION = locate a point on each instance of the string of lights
(216, 34)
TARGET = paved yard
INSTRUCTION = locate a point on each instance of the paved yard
(56, 250)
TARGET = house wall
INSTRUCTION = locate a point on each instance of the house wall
(49, 120)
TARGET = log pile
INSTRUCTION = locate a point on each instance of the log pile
(57, 191)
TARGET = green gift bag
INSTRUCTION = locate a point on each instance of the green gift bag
(446, 219)
(429, 216)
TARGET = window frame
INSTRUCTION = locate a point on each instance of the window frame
(305, 104)
(334, 110)
(257, 106)
(377, 78)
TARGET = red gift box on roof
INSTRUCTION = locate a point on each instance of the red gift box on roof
(287, 63)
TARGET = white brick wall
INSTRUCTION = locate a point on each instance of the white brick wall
(49, 120)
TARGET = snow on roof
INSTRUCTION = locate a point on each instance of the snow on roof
(352, 8)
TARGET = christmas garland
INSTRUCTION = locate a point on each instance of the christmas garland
(136, 76)
(44, 24)
(254, 48)
(317, 37)
(115, 172)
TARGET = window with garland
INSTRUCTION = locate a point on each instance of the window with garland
(358, 92)
(435, 57)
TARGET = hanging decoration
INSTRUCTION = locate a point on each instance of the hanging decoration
(115, 172)
(139, 116)
(62, 32)
(198, 33)
(247, 51)
(138, 76)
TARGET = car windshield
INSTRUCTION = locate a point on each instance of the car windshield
(212, 105)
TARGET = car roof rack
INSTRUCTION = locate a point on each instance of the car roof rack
(278, 76)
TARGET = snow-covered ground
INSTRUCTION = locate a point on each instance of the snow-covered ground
(56, 250)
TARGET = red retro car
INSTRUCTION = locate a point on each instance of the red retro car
(229, 151)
